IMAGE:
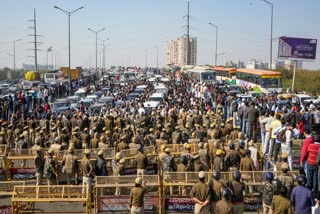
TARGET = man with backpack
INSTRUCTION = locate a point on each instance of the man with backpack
(286, 144)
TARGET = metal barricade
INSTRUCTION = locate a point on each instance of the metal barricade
(127, 153)
(26, 198)
(112, 193)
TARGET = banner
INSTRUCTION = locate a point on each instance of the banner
(297, 48)
(117, 203)
(5, 210)
(22, 173)
(179, 204)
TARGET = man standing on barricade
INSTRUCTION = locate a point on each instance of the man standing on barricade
(200, 194)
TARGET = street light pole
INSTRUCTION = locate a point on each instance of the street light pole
(96, 32)
(271, 30)
(157, 55)
(14, 54)
(104, 54)
(69, 13)
(216, 52)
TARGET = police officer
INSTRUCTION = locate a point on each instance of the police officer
(216, 188)
(39, 163)
(286, 179)
(268, 193)
(237, 188)
(281, 204)
(51, 168)
(87, 169)
(100, 166)
(142, 162)
(70, 164)
(137, 197)
(233, 158)
(224, 206)
(200, 194)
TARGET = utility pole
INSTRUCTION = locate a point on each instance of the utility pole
(96, 32)
(35, 40)
(216, 52)
(188, 35)
(157, 56)
(69, 13)
(104, 53)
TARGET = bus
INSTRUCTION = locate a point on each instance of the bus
(226, 74)
(262, 81)
(202, 74)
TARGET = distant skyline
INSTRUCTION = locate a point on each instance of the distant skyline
(136, 27)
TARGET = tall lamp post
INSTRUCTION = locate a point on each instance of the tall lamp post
(14, 54)
(156, 47)
(271, 30)
(104, 54)
(96, 32)
(216, 52)
(69, 13)
(48, 50)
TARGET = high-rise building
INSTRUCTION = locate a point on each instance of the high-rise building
(177, 51)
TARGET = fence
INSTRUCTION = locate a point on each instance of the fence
(25, 198)
(177, 187)
(112, 193)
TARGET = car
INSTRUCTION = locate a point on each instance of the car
(151, 104)
(95, 108)
(152, 79)
(80, 93)
(98, 94)
(106, 100)
(161, 89)
(132, 96)
(58, 104)
(61, 110)
(300, 98)
(93, 97)
(86, 102)
(164, 79)
(74, 101)
(245, 97)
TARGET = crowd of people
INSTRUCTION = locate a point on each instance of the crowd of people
(230, 133)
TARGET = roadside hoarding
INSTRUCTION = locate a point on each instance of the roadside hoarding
(297, 48)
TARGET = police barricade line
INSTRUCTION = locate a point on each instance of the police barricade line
(112, 193)
(179, 148)
(149, 150)
(177, 187)
(25, 198)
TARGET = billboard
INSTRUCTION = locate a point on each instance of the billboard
(297, 48)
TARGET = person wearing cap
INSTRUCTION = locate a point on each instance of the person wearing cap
(286, 179)
(255, 155)
(70, 165)
(283, 159)
(182, 167)
(233, 158)
(87, 169)
(94, 141)
(176, 136)
(218, 160)
(238, 188)
(85, 138)
(39, 163)
(122, 145)
(100, 165)
(200, 194)
(137, 197)
(142, 162)
(51, 169)
(161, 141)
(224, 206)
(216, 188)
(204, 154)
(150, 138)
(115, 163)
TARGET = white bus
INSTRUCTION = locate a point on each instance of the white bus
(202, 74)
(49, 77)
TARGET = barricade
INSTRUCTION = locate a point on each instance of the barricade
(112, 193)
(26, 198)
(6, 187)
(149, 150)
(177, 187)
(177, 149)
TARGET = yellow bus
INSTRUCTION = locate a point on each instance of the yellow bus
(226, 74)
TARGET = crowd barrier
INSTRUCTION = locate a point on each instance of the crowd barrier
(112, 193)
(177, 187)
(25, 198)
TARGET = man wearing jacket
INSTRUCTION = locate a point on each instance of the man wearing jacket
(303, 159)
(312, 165)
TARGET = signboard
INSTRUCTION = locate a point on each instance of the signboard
(179, 204)
(297, 48)
(112, 203)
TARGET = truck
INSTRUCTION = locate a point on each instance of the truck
(75, 73)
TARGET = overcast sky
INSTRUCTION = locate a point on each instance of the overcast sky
(135, 27)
